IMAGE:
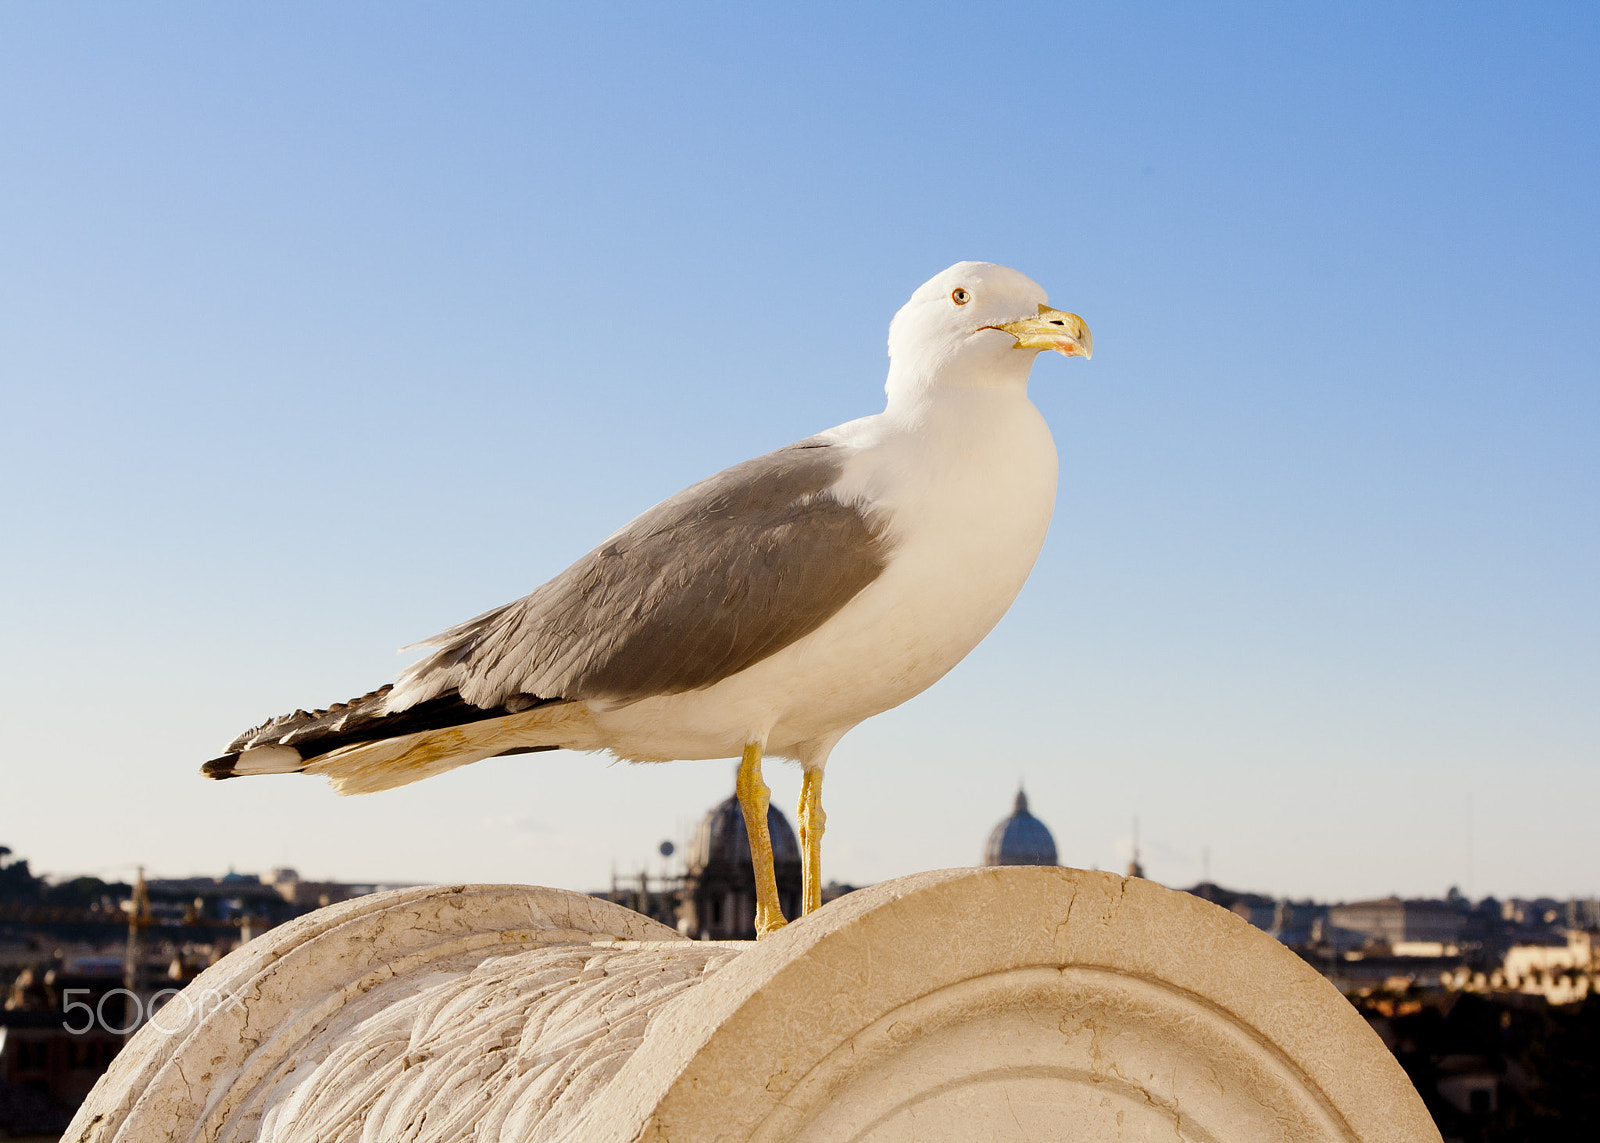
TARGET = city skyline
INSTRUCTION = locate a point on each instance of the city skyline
(324, 329)
(1132, 848)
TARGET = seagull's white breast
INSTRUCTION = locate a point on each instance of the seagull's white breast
(966, 487)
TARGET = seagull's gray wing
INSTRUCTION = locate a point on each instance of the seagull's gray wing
(696, 589)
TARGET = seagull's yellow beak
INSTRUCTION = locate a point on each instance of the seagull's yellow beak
(1065, 333)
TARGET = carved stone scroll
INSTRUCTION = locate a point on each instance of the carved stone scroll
(1005, 1004)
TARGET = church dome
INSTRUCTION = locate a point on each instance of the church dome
(1020, 839)
(722, 838)
(719, 884)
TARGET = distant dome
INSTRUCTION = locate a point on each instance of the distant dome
(722, 838)
(719, 885)
(1020, 839)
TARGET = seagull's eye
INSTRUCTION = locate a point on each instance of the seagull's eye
(959, 296)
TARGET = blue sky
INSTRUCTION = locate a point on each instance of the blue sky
(325, 326)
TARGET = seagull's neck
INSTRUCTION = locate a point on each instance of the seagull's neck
(929, 393)
(945, 452)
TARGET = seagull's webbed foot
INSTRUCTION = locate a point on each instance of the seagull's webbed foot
(754, 798)
(812, 821)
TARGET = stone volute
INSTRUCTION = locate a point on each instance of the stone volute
(1005, 1004)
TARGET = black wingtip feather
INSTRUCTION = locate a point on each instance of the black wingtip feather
(220, 768)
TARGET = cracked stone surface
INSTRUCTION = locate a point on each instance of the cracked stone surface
(1004, 1004)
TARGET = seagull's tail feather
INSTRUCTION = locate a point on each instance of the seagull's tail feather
(372, 766)
(361, 747)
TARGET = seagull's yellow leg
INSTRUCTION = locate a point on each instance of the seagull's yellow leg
(754, 797)
(812, 821)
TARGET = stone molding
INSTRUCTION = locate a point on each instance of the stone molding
(1009, 1003)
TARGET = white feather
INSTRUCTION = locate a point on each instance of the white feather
(269, 759)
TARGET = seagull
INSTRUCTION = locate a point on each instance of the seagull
(763, 612)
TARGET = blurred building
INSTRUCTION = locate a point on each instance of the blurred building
(1562, 972)
(59, 1030)
(1392, 921)
(718, 900)
(1020, 839)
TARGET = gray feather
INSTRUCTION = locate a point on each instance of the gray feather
(698, 588)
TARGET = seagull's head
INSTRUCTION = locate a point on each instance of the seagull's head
(979, 324)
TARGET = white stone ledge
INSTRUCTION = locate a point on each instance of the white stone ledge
(1002, 1004)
